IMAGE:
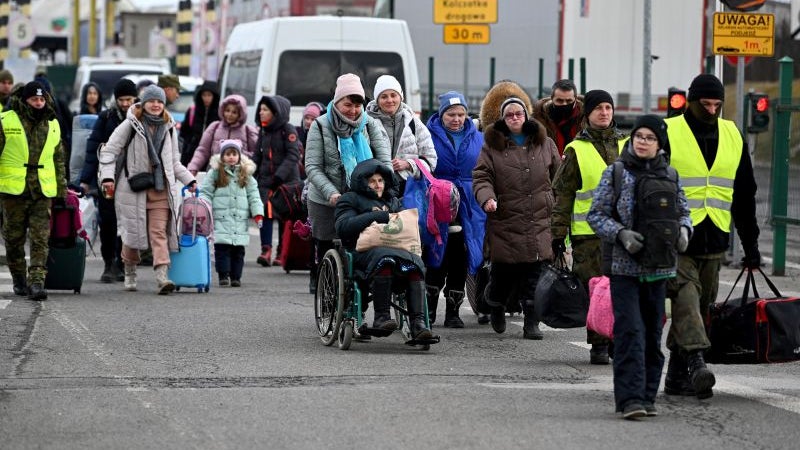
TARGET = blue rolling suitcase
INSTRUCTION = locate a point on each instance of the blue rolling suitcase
(190, 266)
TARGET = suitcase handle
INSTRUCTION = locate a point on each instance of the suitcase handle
(751, 281)
(194, 218)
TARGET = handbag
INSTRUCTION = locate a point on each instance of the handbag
(141, 181)
(401, 232)
(561, 300)
(287, 201)
(600, 317)
(754, 330)
(477, 289)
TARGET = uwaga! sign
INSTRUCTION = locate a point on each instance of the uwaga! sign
(741, 34)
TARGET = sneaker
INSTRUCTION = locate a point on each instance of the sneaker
(236, 283)
(277, 261)
(650, 409)
(633, 411)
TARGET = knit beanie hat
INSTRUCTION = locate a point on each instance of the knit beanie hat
(706, 86)
(385, 82)
(593, 98)
(346, 85)
(165, 81)
(653, 123)
(125, 88)
(230, 143)
(152, 92)
(513, 100)
(5, 75)
(450, 99)
(313, 109)
(33, 89)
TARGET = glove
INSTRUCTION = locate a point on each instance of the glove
(752, 258)
(259, 220)
(559, 247)
(683, 240)
(276, 182)
(631, 240)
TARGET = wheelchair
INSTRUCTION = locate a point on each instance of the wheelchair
(339, 299)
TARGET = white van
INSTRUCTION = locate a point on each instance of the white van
(301, 57)
(107, 71)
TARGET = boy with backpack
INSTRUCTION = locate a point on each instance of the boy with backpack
(640, 212)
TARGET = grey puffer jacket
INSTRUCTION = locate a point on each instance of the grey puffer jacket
(324, 162)
(411, 145)
(131, 207)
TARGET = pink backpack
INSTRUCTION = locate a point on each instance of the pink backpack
(196, 215)
(66, 223)
(443, 201)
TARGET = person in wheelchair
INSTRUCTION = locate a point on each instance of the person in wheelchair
(382, 268)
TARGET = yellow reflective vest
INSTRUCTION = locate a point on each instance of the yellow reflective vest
(14, 160)
(591, 166)
(709, 191)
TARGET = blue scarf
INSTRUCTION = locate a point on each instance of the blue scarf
(353, 148)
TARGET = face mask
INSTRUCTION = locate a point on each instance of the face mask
(37, 114)
(702, 114)
(560, 112)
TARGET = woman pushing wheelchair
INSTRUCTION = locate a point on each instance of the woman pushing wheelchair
(385, 269)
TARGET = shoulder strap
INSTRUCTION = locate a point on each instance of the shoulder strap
(413, 125)
(424, 170)
(616, 178)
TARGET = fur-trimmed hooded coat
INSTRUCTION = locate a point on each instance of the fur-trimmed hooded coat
(502, 90)
(233, 205)
(519, 179)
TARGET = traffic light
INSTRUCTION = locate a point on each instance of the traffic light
(759, 113)
(676, 102)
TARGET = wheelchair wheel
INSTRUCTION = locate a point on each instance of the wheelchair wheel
(346, 334)
(329, 298)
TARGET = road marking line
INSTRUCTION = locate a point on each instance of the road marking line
(4, 303)
(582, 345)
(768, 260)
(5, 275)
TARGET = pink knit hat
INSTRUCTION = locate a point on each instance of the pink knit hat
(313, 109)
(348, 84)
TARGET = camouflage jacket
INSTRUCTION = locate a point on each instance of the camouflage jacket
(568, 180)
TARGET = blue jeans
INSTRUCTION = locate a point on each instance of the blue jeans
(638, 322)
(266, 233)
(229, 259)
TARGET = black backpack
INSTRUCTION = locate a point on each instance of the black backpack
(655, 215)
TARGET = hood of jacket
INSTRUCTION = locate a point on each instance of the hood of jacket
(239, 102)
(207, 86)
(496, 134)
(246, 164)
(85, 89)
(502, 90)
(281, 108)
(359, 179)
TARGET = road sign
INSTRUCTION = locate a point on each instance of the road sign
(734, 60)
(465, 11)
(21, 33)
(742, 34)
(466, 34)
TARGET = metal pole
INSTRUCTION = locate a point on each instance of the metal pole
(780, 166)
(466, 71)
(541, 77)
(491, 71)
(740, 93)
(76, 31)
(582, 69)
(571, 68)
(93, 28)
(5, 12)
(647, 58)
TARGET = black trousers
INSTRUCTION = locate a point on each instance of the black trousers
(110, 243)
(452, 274)
(229, 259)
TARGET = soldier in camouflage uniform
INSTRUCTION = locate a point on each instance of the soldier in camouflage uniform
(31, 174)
(585, 158)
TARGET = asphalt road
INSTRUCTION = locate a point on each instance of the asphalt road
(244, 368)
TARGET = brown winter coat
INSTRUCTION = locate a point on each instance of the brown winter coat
(519, 179)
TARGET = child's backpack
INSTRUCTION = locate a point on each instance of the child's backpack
(443, 200)
(65, 222)
(655, 215)
(196, 215)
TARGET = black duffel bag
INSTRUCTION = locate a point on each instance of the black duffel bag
(287, 201)
(754, 330)
(561, 301)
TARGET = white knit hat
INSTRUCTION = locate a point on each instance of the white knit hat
(385, 82)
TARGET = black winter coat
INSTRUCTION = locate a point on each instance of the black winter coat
(107, 121)
(358, 208)
(197, 119)
(277, 155)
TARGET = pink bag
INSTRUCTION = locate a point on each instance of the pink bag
(65, 221)
(443, 201)
(601, 313)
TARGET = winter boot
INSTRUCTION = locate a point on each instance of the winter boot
(130, 277)
(165, 285)
(530, 327)
(224, 279)
(37, 291)
(20, 284)
(265, 258)
(676, 382)
(381, 297)
(416, 310)
(701, 378)
(108, 273)
(432, 294)
(118, 270)
(599, 354)
(498, 319)
(454, 301)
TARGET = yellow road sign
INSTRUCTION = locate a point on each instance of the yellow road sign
(465, 11)
(466, 34)
(744, 34)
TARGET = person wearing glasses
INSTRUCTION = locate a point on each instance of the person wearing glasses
(638, 202)
(714, 163)
(512, 183)
(596, 146)
(561, 113)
